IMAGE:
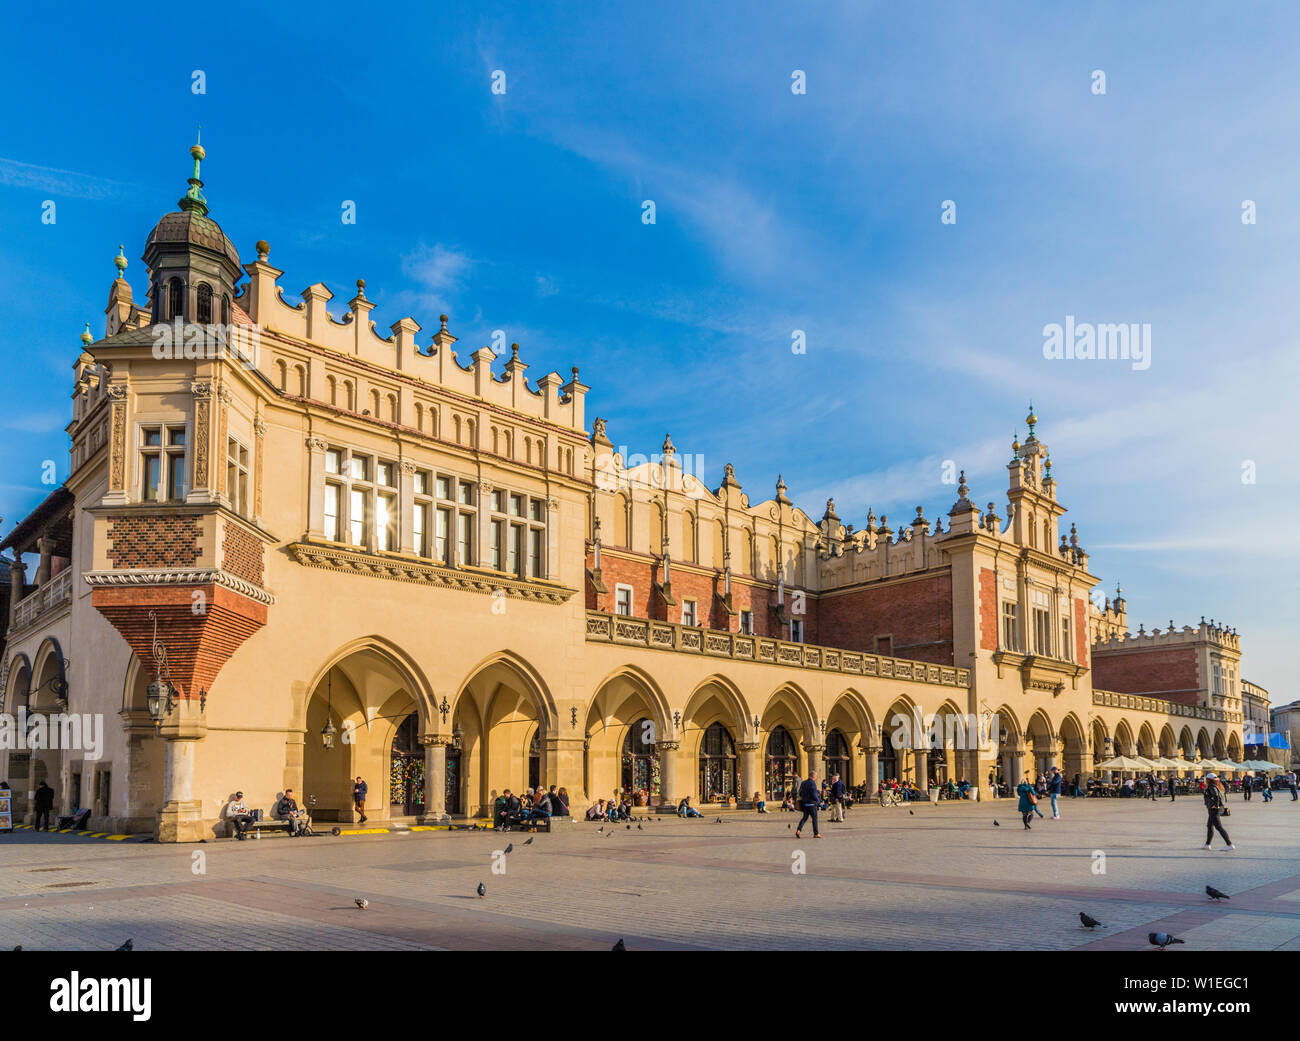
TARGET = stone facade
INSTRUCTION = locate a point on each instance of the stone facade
(474, 591)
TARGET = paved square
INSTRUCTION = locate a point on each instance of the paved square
(938, 877)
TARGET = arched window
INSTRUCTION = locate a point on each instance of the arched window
(782, 764)
(719, 545)
(225, 309)
(174, 307)
(717, 764)
(689, 550)
(656, 530)
(204, 304)
(748, 565)
(838, 760)
(640, 764)
(535, 760)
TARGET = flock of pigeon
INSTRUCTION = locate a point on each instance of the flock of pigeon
(1160, 940)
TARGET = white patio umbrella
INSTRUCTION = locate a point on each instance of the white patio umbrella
(1122, 762)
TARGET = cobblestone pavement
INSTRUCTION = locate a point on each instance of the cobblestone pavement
(938, 877)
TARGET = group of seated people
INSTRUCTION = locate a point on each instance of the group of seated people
(286, 809)
(511, 810)
(611, 809)
(904, 790)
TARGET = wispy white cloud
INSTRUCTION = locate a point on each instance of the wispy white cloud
(66, 183)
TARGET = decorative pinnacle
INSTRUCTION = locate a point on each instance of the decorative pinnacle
(1031, 419)
(120, 261)
(263, 249)
(86, 336)
(962, 489)
(193, 199)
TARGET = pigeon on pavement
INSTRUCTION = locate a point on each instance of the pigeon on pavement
(1214, 894)
(620, 946)
(128, 946)
(361, 902)
(996, 824)
(1162, 940)
(482, 890)
(1088, 921)
(528, 841)
(510, 847)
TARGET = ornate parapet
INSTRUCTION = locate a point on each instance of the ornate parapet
(1141, 703)
(669, 636)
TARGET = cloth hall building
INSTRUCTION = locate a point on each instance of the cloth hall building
(293, 549)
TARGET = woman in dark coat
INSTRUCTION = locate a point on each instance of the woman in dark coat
(1027, 800)
(1214, 806)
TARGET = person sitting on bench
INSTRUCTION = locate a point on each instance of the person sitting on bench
(240, 818)
(287, 810)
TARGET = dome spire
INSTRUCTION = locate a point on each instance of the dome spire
(193, 199)
(120, 261)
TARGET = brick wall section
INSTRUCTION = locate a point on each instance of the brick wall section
(242, 553)
(705, 590)
(153, 540)
(988, 609)
(917, 612)
(1165, 672)
(197, 645)
(1081, 635)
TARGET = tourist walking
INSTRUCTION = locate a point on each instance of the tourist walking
(1054, 784)
(808, 800)
(1247, 785)
(1028, 802)
(1152, 786)
(44, 806)
(837, 800)
(359, 790)
(1291, 783)
(1215, 807)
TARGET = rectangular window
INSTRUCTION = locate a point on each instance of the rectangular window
(465, 539)
(466, 493)
(623, 600)
(420, 482)
(498, 502)
(535, 508)
(236, 476)
(1065, 639)
(688, 613)
(442, 543)
(332, 511)
(357, 517)
(162, 464)
(747, 622)
(885, 646)
(420, 527)
(1010, 626)
(498, 543)
(333, 461)
(444, 488)
(386, 521)
(386, 474)
(359, 467)
(514, 560)
(516, 505)
(536, 556)
(796, 630)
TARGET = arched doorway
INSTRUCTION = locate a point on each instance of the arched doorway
(717, 764)
(639, 762)
(406, 770)
(782, 764)
(535, 760)
(838, 759)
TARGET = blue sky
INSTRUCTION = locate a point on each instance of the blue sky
(775, 212)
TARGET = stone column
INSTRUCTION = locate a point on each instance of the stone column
(316, 490)
(668, 772)
(117, 462)
(181, 817)
(259, 453)
(406, 513)
(920, 763)
(46, 547)
(435, 777)
(873, 768)
(750, 777)
(17, 582)
(816, 761)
